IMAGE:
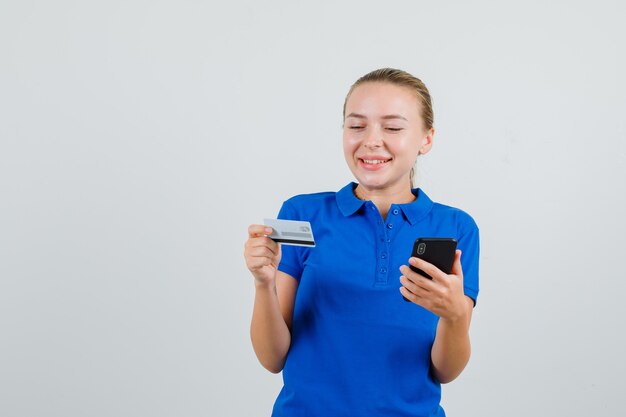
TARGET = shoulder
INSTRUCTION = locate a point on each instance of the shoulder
(460, 224)
(463, 221)
(313, 198)
(455, 212)
(307, 206)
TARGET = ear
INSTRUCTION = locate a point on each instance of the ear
(427, 141)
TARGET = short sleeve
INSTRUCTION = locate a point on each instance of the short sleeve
(469, 244)
(291, 261)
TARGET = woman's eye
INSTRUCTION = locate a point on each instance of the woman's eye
(394, 129)
(356, 127)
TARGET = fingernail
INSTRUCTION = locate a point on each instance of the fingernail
(268, 230)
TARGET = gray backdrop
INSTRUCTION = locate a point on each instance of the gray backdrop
(140, 138)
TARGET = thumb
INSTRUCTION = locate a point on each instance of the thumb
(278, 256)
(456, 266)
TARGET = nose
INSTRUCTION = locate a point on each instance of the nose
(373, 139)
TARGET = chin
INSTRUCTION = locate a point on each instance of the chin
(372, 185)
(380, 182)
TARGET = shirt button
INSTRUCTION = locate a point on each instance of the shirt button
(395, 211)
(390, 226)
(383, 256)
(383, 270)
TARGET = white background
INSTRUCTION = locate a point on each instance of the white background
(138, 139)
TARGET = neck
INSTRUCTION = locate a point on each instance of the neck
(384, 198)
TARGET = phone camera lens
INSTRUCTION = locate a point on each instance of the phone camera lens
(421, 248)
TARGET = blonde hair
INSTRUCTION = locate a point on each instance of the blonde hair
(402, 79)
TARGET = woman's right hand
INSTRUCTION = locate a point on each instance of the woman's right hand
(262, 254)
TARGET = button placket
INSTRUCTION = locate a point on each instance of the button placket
(382, 261)
(386, 230)
(383, 233)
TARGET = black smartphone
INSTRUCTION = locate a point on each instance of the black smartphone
(438, 251)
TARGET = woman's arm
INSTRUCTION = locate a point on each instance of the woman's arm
(271, 321)
(274, 299)
(443, 296)
(451, 350)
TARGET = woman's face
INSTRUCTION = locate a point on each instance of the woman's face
(382, 135)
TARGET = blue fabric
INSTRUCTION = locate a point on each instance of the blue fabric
(357, 348)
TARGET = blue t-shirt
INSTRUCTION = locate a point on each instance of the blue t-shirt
(357, 348)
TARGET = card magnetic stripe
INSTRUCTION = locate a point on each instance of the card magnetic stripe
(299, 242)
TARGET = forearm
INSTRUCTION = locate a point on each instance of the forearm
(269, 332)
(451, 350)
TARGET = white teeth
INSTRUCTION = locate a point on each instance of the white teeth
(373, 161)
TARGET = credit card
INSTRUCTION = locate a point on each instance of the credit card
(291, 232)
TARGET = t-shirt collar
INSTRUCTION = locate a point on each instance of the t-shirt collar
(414, 211)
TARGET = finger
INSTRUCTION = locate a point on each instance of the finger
(457, 269)
(261, 251)
(423, 288)
(408, 284)
(414, 298)
(263, 241)
(257, 230)
(408, 294)
(417, 278)
(425, 300)
(258, 262)
(435, 273)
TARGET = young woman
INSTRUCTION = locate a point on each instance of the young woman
(332, 317)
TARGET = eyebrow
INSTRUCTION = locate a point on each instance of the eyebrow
(386, 117)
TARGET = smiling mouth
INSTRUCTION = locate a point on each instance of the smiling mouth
(374, 161)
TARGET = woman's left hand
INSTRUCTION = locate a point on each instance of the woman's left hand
(443, 295)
